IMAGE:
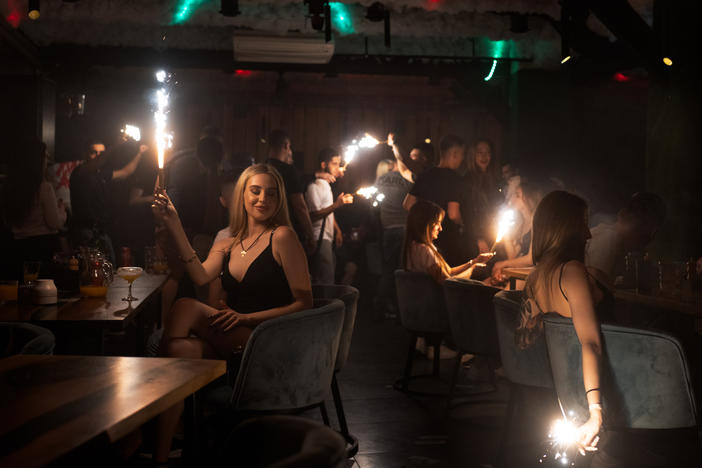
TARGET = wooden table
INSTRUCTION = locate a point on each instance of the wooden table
(104, 314)
(50, 405)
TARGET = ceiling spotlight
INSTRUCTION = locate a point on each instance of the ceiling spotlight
(668, 61)
(565, 59)
(376, 12)
(33, 9)
(230, 8)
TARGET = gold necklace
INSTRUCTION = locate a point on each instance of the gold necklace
(245, 251)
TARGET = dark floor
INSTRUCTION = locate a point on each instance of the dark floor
(398, 430)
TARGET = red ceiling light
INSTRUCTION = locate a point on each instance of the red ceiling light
(621, 77)
(14, 18)
(242, 73)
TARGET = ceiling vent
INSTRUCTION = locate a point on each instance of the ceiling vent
(282, 49)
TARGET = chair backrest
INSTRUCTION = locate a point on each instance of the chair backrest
(521, 366)
(472, 316)
(349, 296)
(644, 375)
(289, 361)
(421, 302)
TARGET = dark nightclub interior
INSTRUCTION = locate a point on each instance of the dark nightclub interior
(302, 233)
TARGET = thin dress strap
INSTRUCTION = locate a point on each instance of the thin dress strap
(560, 277)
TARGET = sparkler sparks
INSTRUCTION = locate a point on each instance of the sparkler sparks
(371, 193)
(132, 131)
(366, 142)
(164, 140)
(505, 222)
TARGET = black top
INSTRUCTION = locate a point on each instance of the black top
(604, 310)
(89, 197)
(292, 183)
(263, 286)
(395, 188)
(441, 186)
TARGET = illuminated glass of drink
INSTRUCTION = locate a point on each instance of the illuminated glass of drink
(129, 274)
(31, 271)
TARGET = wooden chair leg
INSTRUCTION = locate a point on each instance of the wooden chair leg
(408, 363)
(325, 415)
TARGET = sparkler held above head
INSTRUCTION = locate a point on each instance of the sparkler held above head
(164, 140)
(132, 131)
(366, 142)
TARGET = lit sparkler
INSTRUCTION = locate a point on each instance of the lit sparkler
(164, 140)
(132, 131)
(563, 438)
(366, 142)
(371, 192)
(504, 224)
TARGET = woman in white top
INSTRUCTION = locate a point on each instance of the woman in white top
(420, 255)
(30, 205)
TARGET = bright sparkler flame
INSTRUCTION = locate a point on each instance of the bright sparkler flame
(164, 140)
(132, 131)
(350, 153)
(368, 142)
(563, 433)
(504, 224)
(368, 192)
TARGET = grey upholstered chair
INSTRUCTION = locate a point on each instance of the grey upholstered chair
(288, 363)
(25, 338)
(522, 367)
(472, 318)
(349, 296)
(423, 313)
(646, 380)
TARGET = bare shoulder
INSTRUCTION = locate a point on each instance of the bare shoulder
(284, 236)
(575, 279)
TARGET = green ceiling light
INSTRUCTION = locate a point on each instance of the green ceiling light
(492, 71)
(497, 51)
(342, 18)
(185, 9)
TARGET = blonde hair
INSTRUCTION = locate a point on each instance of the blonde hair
(238, 218)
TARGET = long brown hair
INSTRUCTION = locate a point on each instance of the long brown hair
(420, 221)
(558, 236)
(238, 223)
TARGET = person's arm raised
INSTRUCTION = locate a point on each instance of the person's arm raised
(577, 288)
(409, 201)
(200, 272)
(131, 166)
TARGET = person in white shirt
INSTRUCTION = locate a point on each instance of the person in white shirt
(322, 205)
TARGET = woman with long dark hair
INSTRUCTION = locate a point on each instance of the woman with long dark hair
(482, 180)
(560, 283)
(419, 252)
(30, 207)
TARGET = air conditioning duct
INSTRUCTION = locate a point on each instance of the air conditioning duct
(282, 49)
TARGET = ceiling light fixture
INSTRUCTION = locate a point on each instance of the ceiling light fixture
(668, 61)
(33, 9)
(492, 71)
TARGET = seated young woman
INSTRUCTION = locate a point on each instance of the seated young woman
(560, 283)
(264, 273)
(419, 252)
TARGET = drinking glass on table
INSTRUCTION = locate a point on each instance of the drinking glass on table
(31, 271)
(130, 274)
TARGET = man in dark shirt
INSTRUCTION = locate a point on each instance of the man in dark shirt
(443, 186)
(280, 157)
(89, 185)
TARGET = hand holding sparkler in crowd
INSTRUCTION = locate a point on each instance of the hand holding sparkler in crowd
(371, 192)
(343, 199)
